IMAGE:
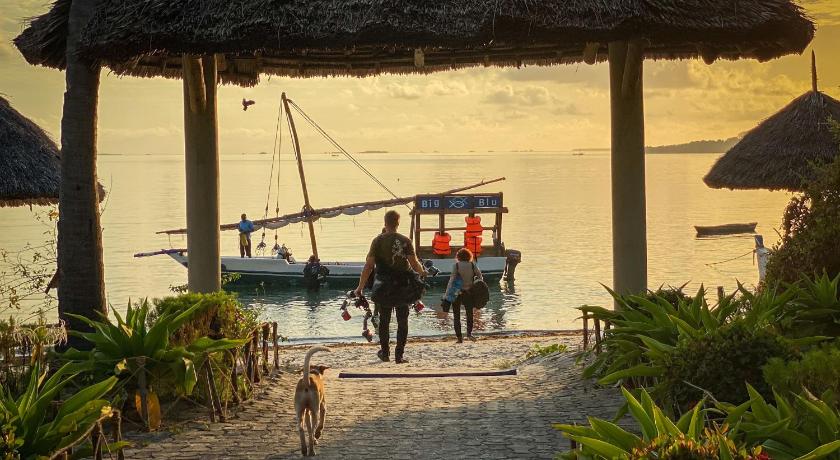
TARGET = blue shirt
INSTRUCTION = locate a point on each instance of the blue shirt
(246, 226)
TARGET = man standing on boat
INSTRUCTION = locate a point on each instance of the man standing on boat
(246, 227)
(396, 283)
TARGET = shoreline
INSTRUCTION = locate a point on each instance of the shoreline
(348, 341)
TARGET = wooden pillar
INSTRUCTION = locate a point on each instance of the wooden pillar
(201, 151)
(628, 168)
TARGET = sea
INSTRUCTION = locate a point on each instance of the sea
(559, 219)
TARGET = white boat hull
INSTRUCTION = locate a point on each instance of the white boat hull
(270, 268)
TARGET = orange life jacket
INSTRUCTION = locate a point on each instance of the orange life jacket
(440, 244)
(474, 227)
(473, 243)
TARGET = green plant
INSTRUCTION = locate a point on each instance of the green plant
(817, 371)
(222, 317)
(719, 363)
(659, 436)
(29, 432)
(142, 355)
(814, 308)
(805, 428)
(539, 351)
(810, 230)
(645, 331)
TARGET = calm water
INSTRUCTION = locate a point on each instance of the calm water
(560, 220)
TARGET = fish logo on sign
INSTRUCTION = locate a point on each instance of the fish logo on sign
(457, 202)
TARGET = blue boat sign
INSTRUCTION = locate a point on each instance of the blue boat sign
(456, 202)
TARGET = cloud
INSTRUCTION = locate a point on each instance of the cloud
(529, 95)
(825, 12)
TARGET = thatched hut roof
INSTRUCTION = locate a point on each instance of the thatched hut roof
(30, 170)
(30, 166)
(782, 151)
(306, 38)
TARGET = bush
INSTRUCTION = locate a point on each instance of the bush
(811, 230)
(817, 370)
(646, 330)
(804, 427)
(659, 436)
(721, 362)
(223, 317)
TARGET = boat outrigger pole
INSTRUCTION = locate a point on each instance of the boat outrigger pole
(307, 208)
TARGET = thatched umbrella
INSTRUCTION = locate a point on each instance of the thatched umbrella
(30, 171)
(782, 152)
(304, 38)
(206, 41)
(29, 162)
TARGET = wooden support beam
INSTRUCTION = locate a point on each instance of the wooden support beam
(628, 170)
(201, 152)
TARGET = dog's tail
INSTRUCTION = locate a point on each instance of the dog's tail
(306, 360)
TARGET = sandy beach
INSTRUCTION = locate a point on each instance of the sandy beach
(488, 352)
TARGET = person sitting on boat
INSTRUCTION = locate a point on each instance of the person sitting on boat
(314, 274)
(246, 227)
(396, 285)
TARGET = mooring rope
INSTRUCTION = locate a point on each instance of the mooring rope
(730, 260)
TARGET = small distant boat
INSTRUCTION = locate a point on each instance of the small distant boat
(726, 229)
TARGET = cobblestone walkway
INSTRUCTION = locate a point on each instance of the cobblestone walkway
(454, 418)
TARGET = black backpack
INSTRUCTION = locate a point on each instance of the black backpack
(479, 293)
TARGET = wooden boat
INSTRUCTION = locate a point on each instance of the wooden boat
(726, 229)
(495, 261)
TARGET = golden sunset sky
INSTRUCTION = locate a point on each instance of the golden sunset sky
(540, 108)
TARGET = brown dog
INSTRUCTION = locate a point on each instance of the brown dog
(310, 405)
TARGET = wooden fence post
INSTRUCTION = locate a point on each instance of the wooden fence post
(276, 345)
(597, 336)
(117, 422)
(96, 441)
(255, 356)
(234, 376)
(585, 331)
(265, 332)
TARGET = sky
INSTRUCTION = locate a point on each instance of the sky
(556, 108)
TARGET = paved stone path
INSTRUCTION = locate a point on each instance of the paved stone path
(478, 417)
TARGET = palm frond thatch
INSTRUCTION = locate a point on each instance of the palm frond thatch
(30, 170)
(781, 152)
(30, 162)
(306, 38)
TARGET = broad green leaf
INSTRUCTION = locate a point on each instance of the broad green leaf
(641, 370)
(638, 412)
(614, 434)
(602, 448)
(822, 451)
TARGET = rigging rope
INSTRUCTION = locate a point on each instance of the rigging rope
(340, 148)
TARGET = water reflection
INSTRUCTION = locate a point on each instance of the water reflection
(318, 313)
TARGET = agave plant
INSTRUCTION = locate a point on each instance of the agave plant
(660, 437)
(803, 428)
(30, 433)
(141, 354)
(645, 330)
(815, 307)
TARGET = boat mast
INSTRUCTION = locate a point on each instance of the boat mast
(307, 208)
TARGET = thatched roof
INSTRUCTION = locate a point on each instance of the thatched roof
(781, 151)
(30, 170)
(305, 38)
(30, 166)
